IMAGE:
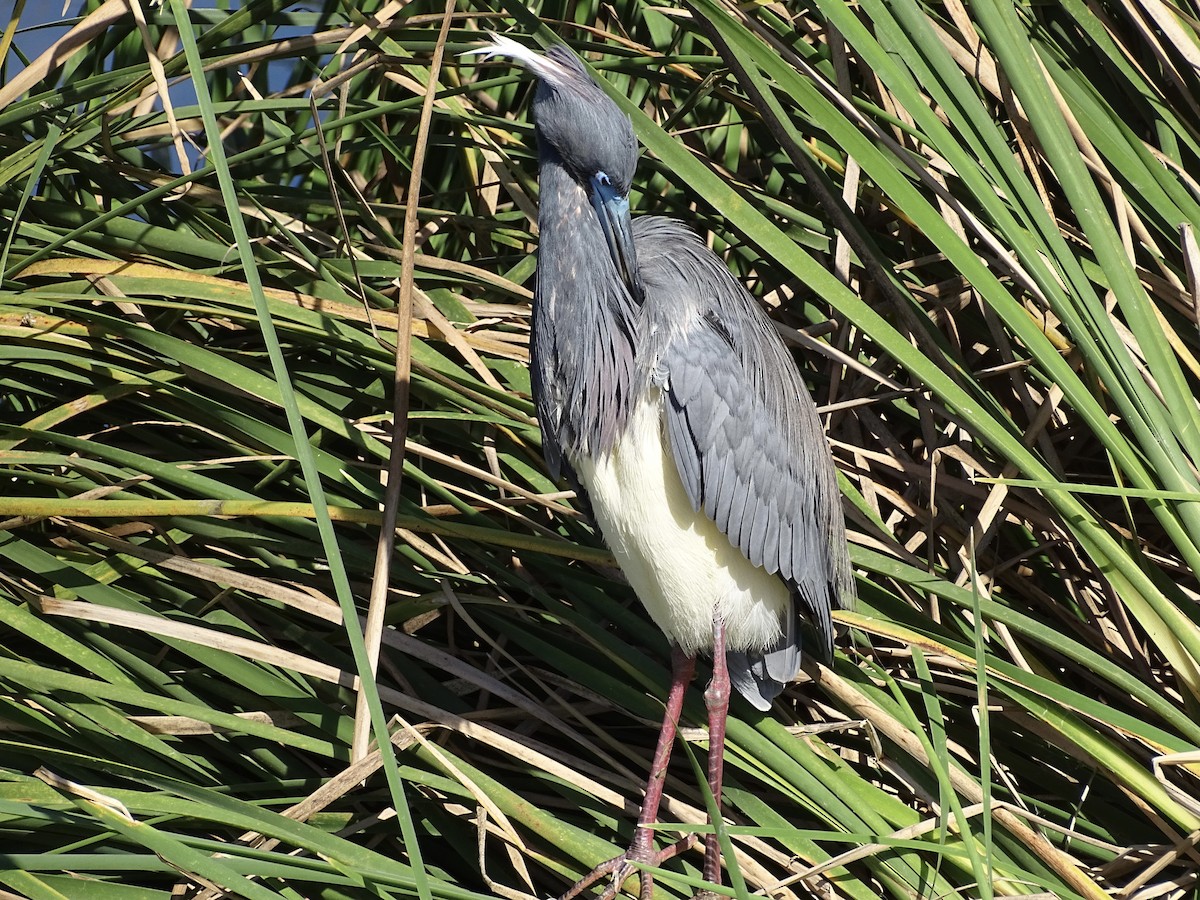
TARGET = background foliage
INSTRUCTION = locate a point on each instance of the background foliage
(975, 223)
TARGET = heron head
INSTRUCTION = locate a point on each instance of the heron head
(589, 134)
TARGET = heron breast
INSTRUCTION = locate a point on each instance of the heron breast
(683, 568)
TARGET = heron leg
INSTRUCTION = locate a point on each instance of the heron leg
(642, 848)
(716, 698)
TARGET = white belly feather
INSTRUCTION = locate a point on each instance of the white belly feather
(684, 570)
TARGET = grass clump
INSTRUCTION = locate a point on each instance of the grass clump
(976, 225)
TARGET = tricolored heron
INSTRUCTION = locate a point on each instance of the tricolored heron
(664, 392)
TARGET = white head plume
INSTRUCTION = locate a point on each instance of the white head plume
(541, 66)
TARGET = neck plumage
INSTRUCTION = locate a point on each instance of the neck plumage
(584, 325)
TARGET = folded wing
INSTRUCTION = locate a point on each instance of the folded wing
(750, 450)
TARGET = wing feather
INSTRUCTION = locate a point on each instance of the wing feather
(737, 510)
(753, 547)
(785, 548)
(687, 459)
(771, 539)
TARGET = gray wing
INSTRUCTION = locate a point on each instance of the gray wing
(751, 453)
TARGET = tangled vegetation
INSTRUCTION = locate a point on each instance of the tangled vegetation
(974, 223)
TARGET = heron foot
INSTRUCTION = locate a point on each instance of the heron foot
(622, 867)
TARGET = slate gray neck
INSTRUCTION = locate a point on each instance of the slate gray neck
(584, 324)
